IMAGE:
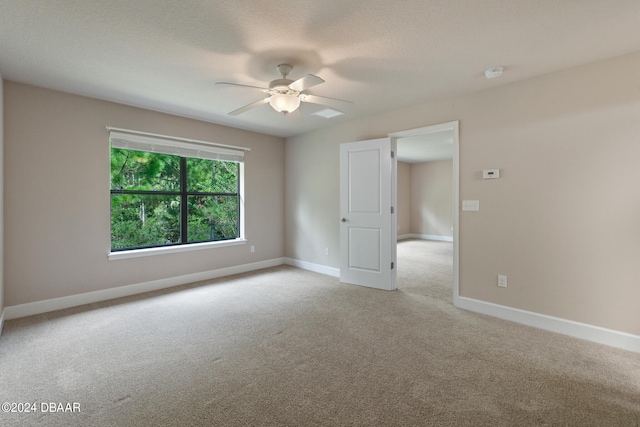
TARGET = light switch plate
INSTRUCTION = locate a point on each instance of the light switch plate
(491, 173)
(471, 205)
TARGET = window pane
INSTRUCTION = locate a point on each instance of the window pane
(212, 176)
(212, 218)
(139, 170)
(144, 220)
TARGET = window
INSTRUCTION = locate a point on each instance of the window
(166, 193)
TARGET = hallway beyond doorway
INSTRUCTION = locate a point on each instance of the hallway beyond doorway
(425, 267)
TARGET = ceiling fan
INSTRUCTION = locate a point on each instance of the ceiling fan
(285, 95)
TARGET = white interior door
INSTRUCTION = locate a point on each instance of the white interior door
(367, 227)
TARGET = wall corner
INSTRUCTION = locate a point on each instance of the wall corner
(1, 203)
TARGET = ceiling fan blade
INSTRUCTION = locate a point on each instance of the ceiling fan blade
(337, 104)
(305, 82)
(264, 89)
(249, 106)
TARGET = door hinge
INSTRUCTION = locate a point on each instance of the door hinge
(393, 155)
(392, 265)
(391, 209)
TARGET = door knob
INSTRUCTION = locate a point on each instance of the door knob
(344, 220)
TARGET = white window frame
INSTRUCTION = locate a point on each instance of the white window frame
(154, 143)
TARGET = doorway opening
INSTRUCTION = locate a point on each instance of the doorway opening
(427, 192)
(425, 268)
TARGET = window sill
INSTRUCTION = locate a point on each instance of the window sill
(136, 253)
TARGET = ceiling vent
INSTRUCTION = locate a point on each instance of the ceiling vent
(328, 113)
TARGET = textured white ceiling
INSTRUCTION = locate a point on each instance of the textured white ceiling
(380, 54)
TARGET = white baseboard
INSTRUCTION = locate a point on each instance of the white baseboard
(39, 307)
(329, 271)
(596, 334)
(425, 237)
(585, 331)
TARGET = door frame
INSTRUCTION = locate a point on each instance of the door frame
(452, 126)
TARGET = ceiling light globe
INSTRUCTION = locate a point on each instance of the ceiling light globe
(283, 103)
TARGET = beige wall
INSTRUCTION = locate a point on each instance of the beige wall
(1, 201)
(432, 198)
(561, 222)
(404, 198)
(57, 200)
(425, 198)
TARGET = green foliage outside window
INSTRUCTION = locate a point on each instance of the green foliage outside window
(148, 199)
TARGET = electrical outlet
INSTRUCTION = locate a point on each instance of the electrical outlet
(253, 248)
(502, 281)
(326, 251)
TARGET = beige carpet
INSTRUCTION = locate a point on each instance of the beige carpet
(288, 347)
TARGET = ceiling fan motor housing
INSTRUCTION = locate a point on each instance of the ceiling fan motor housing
(282, 86)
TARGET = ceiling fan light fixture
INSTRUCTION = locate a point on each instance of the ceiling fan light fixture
(285, 95)
(284, 103)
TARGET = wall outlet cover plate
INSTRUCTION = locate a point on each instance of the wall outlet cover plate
(471, 205)
(491, 173)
